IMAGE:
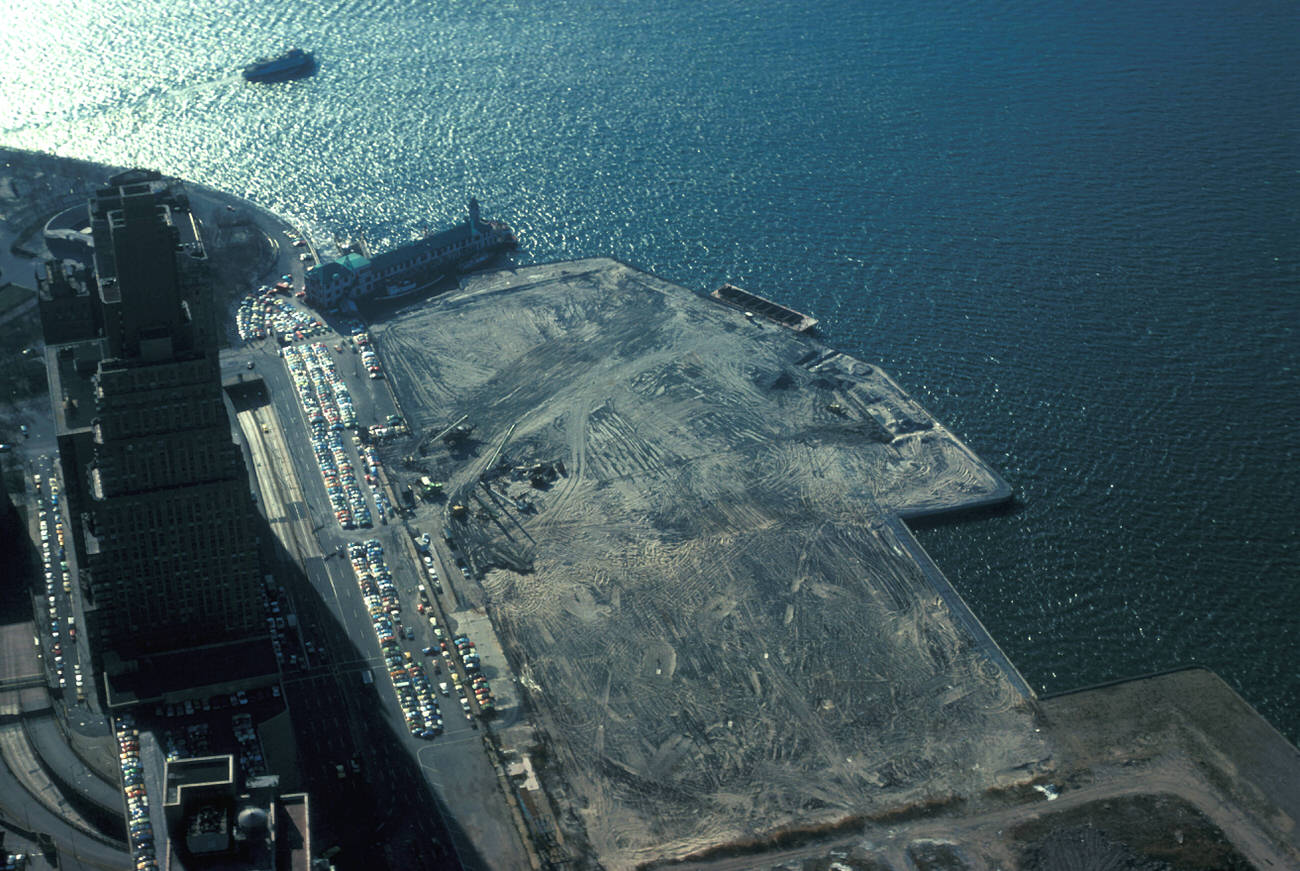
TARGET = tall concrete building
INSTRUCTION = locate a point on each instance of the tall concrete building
(164, 522)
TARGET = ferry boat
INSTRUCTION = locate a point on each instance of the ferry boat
(293, 63)
(410, 268)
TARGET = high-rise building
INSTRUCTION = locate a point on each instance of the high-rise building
(159, 491)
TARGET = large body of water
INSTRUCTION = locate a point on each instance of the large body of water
(1071, 229)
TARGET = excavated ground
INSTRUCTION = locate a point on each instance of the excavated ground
(721, 626)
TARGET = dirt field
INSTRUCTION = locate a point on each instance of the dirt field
(717, 625)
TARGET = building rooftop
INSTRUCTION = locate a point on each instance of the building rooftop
(183, 674)
(293, 833)
(216, 823)
(198, 771)
(400, 255)
(71, 367)
(431, 242)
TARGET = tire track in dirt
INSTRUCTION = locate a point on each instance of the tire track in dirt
(716, 623)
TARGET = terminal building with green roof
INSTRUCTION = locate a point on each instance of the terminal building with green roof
(411, 267)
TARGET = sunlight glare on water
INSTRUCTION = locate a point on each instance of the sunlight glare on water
(1070, 230)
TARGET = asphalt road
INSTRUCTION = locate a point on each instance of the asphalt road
(76, 849)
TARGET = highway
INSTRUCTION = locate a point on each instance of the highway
(29, 799)
(76, 849)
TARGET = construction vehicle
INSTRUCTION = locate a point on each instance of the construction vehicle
(542, 475)
(429, 488)
(452, 435)
(456, 432)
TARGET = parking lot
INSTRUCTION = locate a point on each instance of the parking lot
(61, 642)
(375, 629)
(140, 829)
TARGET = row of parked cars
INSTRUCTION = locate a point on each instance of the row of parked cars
(419, 702)
(324, 395)
(215, 703)
(350, 508)
(54, 558)
(318, 390)
(279, 620)
(290, 323)
(370, 457)
(250, 317)
(139, 829)
(329, 386)
(369, 358)
(460, 646)
(252, 761)
(410, 681)
(478, 683)
(345, 495)
(184, 743)
(377, 588)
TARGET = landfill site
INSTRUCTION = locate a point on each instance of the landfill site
(684, 522)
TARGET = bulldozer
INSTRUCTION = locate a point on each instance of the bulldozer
(430, 489)
(457, 434)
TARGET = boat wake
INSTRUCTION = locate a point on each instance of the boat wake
(129, 104)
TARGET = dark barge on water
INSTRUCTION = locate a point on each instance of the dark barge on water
(752, 304)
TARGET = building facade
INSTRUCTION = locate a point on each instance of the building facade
(409, 268)
(160, 494)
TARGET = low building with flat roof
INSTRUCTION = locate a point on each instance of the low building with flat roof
(213, 825)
